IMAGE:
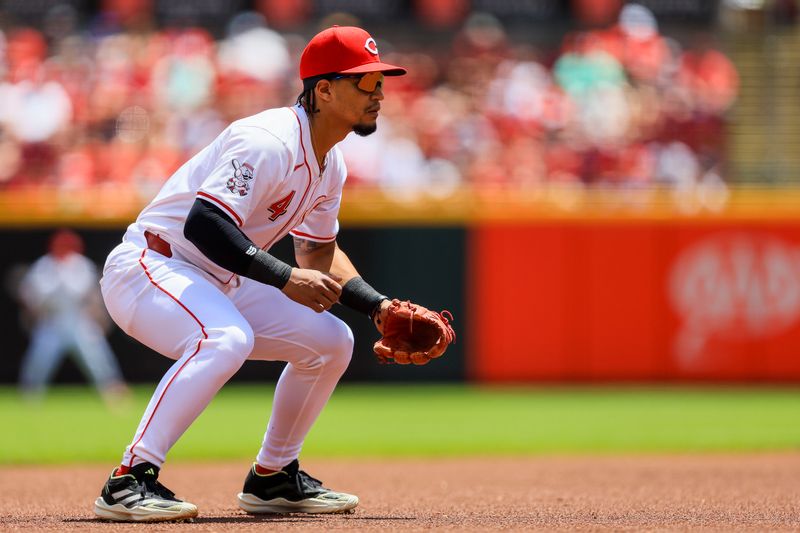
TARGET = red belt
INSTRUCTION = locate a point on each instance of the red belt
(157, 244)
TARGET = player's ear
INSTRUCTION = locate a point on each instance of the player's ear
(324, 90)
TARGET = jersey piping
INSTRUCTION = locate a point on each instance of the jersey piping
(315, 237)
(223, 205)
(308, 186)
(199, 344)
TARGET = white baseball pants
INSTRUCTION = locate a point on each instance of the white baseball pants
(77, 334)
(210, 329)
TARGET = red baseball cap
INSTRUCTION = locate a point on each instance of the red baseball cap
(343, 50)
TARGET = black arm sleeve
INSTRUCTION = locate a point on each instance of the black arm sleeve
(359, 295)
(216, 235)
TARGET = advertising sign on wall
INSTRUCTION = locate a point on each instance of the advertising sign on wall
(643, 301)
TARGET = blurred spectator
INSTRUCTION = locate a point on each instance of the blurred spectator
(616, 105)
(34, 107)
(183, 79)
(441, 14)
(251, 49)
(60, 297)
(285, 13)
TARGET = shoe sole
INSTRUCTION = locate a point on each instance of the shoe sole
(255, 505)
(120, 513)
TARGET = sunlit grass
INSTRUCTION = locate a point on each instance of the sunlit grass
(73, 425)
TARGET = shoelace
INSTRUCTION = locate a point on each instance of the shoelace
(450, 332)
(151, 484)
(411, 317)
(303, 480)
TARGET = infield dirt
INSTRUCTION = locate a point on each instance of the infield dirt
(745, 492)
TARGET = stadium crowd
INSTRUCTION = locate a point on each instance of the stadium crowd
(623, 105)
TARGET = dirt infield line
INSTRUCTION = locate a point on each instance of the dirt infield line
(748, 492)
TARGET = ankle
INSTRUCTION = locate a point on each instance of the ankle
(263, 470)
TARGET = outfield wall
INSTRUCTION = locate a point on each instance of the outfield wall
(556, 286)
(644, 300)
(380, 253)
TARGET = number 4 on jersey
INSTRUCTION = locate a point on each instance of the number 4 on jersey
(279, 208)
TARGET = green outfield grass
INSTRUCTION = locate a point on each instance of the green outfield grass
(73, 425)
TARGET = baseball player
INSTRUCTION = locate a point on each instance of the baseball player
(59, 291)
(193, 279)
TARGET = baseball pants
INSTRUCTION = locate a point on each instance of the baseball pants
(77, 334)
(210, 329)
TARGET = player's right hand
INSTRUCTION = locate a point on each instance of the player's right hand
(314, 289)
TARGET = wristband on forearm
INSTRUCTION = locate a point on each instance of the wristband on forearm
(359, 295)
(268, 269)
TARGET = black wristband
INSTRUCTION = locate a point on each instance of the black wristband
(268, 269)
(359, 295)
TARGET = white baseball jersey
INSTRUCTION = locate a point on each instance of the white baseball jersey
(59, 289)
(263, 173)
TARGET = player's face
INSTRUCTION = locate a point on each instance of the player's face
(360, 98)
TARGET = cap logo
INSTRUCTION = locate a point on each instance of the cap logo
(371, 46)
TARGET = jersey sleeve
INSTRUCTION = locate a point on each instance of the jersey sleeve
(321, 223)
(249, 165)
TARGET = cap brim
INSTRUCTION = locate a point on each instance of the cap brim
(386, 68)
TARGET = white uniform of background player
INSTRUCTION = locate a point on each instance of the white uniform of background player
(264, 174)
(59, 291)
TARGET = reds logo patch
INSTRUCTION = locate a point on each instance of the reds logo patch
(242, 174)
(371, 46)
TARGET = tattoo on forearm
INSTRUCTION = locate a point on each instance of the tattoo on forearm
(303, 246)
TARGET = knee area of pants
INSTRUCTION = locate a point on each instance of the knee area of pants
(331, 352)
(234, 341)
(341, 347)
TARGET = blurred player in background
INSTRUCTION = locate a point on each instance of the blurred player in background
(59, 296)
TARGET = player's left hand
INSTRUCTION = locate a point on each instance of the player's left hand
(412, 333)
(379, 318)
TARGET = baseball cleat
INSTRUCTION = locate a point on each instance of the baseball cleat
(291, 490)
(139, 497)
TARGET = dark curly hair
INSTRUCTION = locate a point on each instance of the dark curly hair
(307, 98)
